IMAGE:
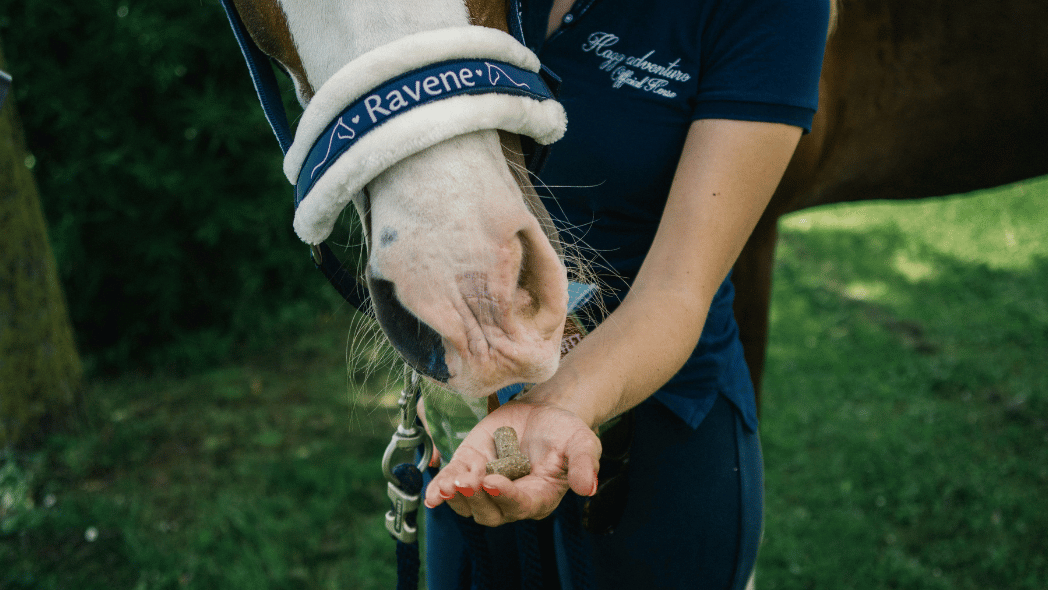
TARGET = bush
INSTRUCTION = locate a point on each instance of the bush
(169, 214)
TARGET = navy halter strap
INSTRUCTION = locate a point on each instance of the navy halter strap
(422, 86)
(265, 82)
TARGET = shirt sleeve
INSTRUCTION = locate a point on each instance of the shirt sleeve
(761, 61)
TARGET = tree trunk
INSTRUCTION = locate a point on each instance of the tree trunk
(39, 365)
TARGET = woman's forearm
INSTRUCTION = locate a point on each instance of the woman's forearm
(726, 176)
(639, 347)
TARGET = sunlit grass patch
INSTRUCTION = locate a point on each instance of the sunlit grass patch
(1002, 228)
(904, 415)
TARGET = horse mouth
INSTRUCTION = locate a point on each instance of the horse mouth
(486, 331)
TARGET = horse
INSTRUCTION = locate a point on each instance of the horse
(917, 100)
(465, 270)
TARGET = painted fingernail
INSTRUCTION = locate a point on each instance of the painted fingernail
(446, 496)
(467, 492)
(428, 505)
(491, 491)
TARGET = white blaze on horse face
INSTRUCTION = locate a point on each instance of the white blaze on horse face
(449, 226)
(331, 33)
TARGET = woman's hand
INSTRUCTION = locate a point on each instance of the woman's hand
(563, 451)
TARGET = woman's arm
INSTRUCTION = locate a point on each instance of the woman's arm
(726, 175)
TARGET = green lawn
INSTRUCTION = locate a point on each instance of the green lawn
(905, 430)
(904, 415)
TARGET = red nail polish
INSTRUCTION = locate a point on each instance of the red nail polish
(467, 492)
(492, 491)
(447, 496)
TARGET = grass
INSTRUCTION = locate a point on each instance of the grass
(265, 475)
(904, 429)
(906, 403)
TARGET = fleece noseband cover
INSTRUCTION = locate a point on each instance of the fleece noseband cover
(402, 98)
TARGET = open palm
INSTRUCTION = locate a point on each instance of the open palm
(563, 451)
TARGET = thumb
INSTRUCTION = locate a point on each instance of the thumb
(583, 455)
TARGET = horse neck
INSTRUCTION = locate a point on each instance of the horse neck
(488, 13)
(328, 34)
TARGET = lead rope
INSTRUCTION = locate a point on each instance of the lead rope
(404, 485)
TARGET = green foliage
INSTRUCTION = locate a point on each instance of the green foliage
(162, 185)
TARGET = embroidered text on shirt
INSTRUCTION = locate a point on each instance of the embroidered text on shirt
(600, 45)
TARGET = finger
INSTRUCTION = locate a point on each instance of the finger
(460, 504)
(434, 496)
(486, 510)
(583, 462)
(530, 497)
(507, 497)
(461, 475)
(442, 487)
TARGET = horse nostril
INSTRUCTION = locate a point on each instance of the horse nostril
(420, 345)
(528, 279)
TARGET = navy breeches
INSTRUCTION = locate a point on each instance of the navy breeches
(693, 518)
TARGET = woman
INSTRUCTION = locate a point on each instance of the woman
(683, 115)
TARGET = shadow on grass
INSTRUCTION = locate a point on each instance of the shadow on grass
(904, 417)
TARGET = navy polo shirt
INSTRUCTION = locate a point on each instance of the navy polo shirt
(636, 73)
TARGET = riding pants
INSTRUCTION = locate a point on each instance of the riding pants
(693, 519)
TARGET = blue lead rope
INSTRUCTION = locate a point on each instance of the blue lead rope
(408, 562)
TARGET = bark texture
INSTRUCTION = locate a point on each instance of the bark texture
(40, 372)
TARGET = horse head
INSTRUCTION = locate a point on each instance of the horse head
(464, 269)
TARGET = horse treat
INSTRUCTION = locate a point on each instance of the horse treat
(511, 462)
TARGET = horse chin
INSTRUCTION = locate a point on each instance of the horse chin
(477, 380)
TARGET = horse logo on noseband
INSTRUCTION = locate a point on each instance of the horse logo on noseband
(336, 133)
(495, 72)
